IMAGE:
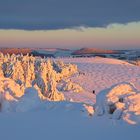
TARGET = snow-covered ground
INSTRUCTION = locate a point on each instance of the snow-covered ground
(100, 74)
(112, 112)
(63, 122)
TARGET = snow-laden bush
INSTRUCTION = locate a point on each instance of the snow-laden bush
(11, 87)
(1, 70)
(7, 69)
(122, 101)
(71, 86)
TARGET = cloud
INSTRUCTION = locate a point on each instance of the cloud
(116, 36)
(59, 14)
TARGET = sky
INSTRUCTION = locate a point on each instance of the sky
(70, 23)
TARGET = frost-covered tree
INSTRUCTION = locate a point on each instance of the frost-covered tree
(7, 68)
(53, 93)
(39, 82)
(1, 71)
(18, 72)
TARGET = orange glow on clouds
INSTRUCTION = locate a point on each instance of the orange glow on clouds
(114, 35)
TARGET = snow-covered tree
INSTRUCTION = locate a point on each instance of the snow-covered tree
(1, 71)
(18, 72)
(7, 68)
(53, 93)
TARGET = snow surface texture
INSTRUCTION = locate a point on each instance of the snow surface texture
(28, 85)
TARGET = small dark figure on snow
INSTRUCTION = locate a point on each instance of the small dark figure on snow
(93, 91)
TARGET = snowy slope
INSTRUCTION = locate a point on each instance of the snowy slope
(99, 74)
(61, 124)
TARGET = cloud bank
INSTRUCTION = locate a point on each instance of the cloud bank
(115, 36)
(58, 14)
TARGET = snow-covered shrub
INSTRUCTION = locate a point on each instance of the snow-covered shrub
(64, 70)
(122, 101)
(7, 68)
(70, 86)
(18, 72)
(1, 71)
(11, 87)
(69, 70)
(57, 66)
(53, 93)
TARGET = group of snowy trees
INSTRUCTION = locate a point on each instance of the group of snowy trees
(42, 74)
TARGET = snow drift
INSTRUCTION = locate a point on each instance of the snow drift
(121, 102)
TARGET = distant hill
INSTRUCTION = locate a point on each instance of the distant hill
(93, 51)
(43, 52)
(10, 51)
(56, 52)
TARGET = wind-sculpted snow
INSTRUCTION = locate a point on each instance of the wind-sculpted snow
(121, 102)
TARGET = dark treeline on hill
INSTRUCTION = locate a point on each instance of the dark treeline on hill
(34, 50)
(94, 51)
(36, 53)
(10, 51)
(58, 52)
